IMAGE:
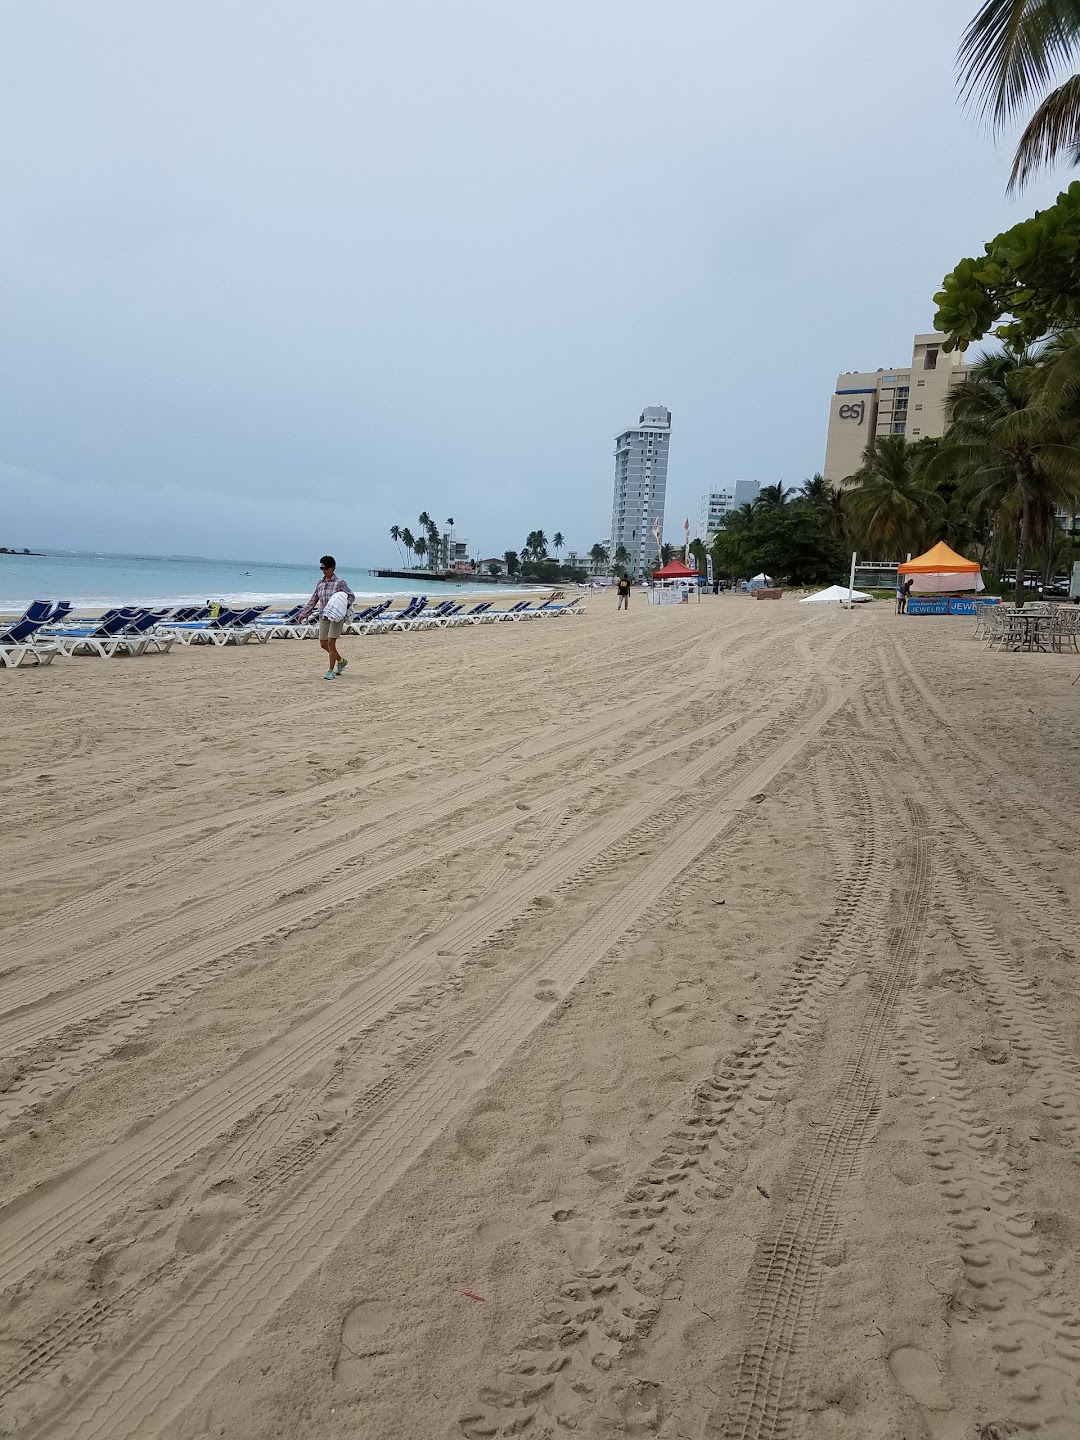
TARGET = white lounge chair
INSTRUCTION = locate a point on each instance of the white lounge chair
(12, 656)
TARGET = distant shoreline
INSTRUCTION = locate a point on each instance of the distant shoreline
(22, 554)
(456, 577)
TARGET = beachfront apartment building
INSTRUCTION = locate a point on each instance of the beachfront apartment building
(716, 505)
(641, 465)
(452, 551)
(906, 401)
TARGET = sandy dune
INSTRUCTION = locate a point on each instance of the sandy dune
(652, 1024)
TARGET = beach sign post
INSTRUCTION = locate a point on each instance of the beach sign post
(851, 583)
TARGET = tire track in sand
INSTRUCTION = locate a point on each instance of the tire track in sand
(577, 1359)
(74, 1009)
(781, 1291)
(48, 937)
(1021, 881)
(31, 1231)
(35, 866)
(226, 890)
(162, 1369)
(1035, 1333)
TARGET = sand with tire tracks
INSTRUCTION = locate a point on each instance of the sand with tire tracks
(649, 1024)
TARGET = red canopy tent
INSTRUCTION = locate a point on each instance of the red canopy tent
(676, 570)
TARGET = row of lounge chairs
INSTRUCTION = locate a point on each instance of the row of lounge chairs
(46, 630)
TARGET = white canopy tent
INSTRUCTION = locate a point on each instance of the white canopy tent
(835, 595)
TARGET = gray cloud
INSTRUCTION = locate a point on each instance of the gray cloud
(277, 275)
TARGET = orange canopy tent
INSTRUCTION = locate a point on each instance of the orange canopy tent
(942, 569)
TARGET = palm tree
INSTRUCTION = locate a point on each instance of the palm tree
(1014, 442)
(835, 507)
(770, 495)
(409, 543)
(511, 558)
(893, 504)
(395, 535)
(1010, 54)
(598, 555)
(816, 490)
(557, 542)
(420, 545)
(622, 557)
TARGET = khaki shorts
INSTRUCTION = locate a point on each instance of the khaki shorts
(329, 629)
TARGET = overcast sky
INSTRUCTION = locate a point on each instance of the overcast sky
(275, 275)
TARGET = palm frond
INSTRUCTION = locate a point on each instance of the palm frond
(1052, 131)
(1013, 49)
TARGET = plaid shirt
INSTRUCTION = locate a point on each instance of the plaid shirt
(323, 590)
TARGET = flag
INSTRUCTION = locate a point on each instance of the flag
(656, 536)
(686, 527)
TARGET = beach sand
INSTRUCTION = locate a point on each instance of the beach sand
(648, 1024)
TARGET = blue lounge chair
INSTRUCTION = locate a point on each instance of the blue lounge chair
(21, 630)
(222, 629)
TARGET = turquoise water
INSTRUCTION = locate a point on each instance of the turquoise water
(98, 580)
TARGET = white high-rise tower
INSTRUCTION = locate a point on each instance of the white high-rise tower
(641, 461)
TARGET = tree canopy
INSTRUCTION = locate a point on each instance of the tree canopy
(1030, 273)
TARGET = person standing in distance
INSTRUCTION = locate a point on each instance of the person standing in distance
(330, 620)
(624, 593)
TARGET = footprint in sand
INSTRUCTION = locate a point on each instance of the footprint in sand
(918, 1376)
(579, 1120)
(205, 1226)
(362, 1333)
(670, 1013)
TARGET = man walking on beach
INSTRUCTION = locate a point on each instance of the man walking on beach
(330, 621)
(624, 593)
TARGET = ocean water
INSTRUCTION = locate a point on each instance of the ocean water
(95, 580)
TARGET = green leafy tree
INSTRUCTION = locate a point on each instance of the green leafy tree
(409, 542)
(557, 542)
(1010, 56)
(697, 550)
(1014, 443)
(793, 543)
(1030, 272)
(622, 557)
(598, 555)
(511, 559)
(894, 505)
(420, 545)
(493, 567)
